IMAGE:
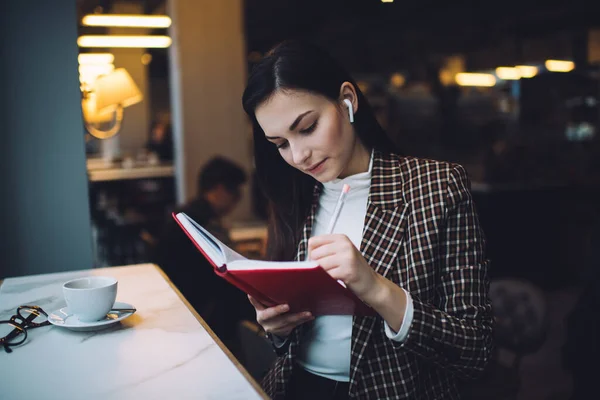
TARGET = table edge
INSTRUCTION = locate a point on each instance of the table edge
(218, 341)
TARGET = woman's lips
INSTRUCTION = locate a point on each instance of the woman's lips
(317, 168)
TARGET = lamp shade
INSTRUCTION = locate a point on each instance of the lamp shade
(115, 89)
(88, 105)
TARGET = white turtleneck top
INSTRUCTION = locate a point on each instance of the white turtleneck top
(325, 349)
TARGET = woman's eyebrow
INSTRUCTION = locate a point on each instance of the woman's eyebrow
(298, 119)
(293, 126)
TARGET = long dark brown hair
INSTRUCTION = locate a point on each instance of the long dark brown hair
(297, 65)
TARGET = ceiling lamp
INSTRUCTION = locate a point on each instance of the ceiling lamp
(475, 79)
(130, 41)
(527, 71)
(559, 65)
(127, 21)
(508, 73)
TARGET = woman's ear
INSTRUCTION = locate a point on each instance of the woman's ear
(348, 92)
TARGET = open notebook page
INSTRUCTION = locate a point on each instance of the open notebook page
(258, 264)
(222, 253)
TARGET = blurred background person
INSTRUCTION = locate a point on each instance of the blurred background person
(220, 304)
(160, 141)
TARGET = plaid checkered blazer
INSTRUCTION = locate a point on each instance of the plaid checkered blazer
(422, 232)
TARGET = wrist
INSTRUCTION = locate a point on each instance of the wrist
(275, 336)
(388, 300)
(277, 341)
(378, 293)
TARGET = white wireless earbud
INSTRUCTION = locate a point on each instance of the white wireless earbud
(350, 110)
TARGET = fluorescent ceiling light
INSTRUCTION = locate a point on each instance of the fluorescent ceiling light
(527, 71)
(133, 41)
(559, 65)
(508, 73)
(127, 21)
(96, 58)
(473, 79)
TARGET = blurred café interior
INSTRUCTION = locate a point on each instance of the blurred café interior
(107, 124)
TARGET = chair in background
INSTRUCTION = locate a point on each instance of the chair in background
(520, 316)
(520, 328)
(256, 350)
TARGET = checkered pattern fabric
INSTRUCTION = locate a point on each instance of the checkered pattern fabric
(421, 232)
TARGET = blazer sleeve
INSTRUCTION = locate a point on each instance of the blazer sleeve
(455, 331)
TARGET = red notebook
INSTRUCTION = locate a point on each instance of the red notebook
(304, 285)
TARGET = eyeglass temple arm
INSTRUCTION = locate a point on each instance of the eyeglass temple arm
(13, 333)
(20, 329)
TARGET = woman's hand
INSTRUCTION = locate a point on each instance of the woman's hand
(276, 320)
(343, 261)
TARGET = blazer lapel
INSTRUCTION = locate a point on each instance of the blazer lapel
(382, 236)
(385, 223)
(385, 219)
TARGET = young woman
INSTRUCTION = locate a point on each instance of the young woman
(407, 242)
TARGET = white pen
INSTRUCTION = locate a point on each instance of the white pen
(338, 208)
(336, 214)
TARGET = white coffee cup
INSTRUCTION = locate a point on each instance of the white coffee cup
(90, 298)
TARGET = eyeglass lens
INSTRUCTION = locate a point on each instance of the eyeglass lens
(33, 316)
(13, 332)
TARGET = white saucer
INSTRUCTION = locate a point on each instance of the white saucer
(65, 319)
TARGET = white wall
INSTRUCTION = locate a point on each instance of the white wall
(208, 75)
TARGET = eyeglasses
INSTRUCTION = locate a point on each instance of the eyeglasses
(27, 317)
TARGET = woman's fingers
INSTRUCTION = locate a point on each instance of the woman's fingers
(283, 325)
(330, 245)
(325, 250)
(329, 262)
(320, 240)
(272, 312)
(257, 304)
(317, 242)
(276, 319)
(287, 324)
(295, 319)
(273, 319)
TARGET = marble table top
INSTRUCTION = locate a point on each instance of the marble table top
(163, 351)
